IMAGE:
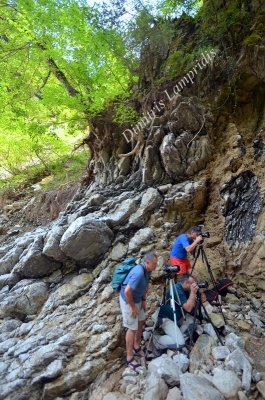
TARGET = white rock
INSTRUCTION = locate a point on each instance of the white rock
(141, 237)
(115, 396)
(220, 352)
(195, 387)
(166, 368)
(182, 361)
(118, 252)
(156, 389)
(232, 341)
(174, 394)
(226, 382)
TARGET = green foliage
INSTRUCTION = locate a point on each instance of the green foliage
(254, 38)
(67, 169)
(217, 22)
(178, 63)
(59, 67)
(258, 31)
(178, 7)
(125, 114)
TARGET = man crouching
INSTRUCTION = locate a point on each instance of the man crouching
(133, 306)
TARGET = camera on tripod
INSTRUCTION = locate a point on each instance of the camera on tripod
(203, 285)
(167, 268)
(201, 233)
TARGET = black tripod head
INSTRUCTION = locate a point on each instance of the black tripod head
(170, 271)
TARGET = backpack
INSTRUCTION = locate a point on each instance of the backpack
(121, 272)
(219, 288)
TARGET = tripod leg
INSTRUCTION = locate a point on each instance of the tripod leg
(196, 258)
(151, 336)
(163, 301)
(173, 306)
(210, 272)
(195, 313)
(211, 322)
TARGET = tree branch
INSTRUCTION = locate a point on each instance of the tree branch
(61, 77)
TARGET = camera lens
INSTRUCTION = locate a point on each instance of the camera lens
(202, 285)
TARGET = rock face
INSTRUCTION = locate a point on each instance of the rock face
(86, 241)
(242, 207)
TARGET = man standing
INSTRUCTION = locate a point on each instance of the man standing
(186, 242)
(133, 306)
(186, 289)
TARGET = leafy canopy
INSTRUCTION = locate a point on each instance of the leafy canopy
(62, 62)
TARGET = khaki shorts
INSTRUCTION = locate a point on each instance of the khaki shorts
(128, 321)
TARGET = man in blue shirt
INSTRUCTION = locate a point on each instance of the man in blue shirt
(133, 306)
(186, 242)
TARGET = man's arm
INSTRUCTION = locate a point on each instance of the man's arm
(144, 298)
(128, 291)
(190, 303)
(193, 245)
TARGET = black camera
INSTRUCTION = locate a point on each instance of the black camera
(203, 285)
(205, 234)
(201, 233)
(166, 268)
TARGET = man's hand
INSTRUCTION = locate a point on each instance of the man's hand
(144, 305)
(198, 239)
(134, 311)
(193, 245)
(194, 288)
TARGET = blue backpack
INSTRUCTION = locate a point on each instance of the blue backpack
(121, 272)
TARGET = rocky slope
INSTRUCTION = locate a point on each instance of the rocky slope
(199, 160)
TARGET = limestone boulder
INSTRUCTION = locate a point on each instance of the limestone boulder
(232, 382)
(86, 241)
(142, 237)
(121, 212)
(166, 368)
(201, 351)
(11, 254)
(199, 388)
(52, 243)
(26, 298)
(33, 263)
(150, 201)
(156, 388)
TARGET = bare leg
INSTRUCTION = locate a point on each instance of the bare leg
(138, 335)
(130, 338)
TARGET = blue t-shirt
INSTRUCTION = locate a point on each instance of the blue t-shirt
(178, 249)
(137, 279)
(166, 310)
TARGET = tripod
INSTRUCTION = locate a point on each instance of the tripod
(173, 298)
(201, 251)
(197, 312)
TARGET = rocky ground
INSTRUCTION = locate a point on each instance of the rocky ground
(61, 332)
